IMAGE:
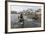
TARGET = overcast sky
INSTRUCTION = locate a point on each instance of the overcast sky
(21, 8)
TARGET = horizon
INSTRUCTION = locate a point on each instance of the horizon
(20, 8)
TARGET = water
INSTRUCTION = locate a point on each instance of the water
(14, 17)
(27, 22)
